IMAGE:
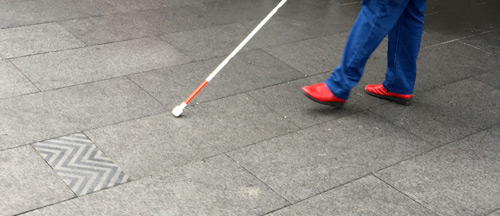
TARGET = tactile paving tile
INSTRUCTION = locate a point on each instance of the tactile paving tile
(82, 166)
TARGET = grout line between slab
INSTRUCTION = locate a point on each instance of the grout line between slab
(434, 149)
(404, 194)
(25, 76)
(127, 75)
(76, 197)
(89, 129)
(274, 111)
(75, 48)
(491, 213)
(54, 171)
(475, 47)
(248, 171)
(299, 128)
(477, 79)
(41, 207)
(93, 81)
(350, 3)
(145, 91)
(458, 39)
(166, 111)
(318, 194)
(451, 83)
(74, 35)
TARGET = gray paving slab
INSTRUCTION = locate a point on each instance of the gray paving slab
(365, 196)
(487, 42)
(156, 144)
(326, 20)
(317, 55)
(288, 100)
(7, 1)
(217, 186)
(227, 12)
(448, 113)
(277, 31)
(21, 13)
(436, 6)
(311, 161)
(207, 43)
(13, 82)
(125, 26)
(27, 182)
(449, 63)
(219, 41)
(459, 23)
(313, 56)
(44, 115)
(496, 213)
(71, 67)
(295, 7)
(29, 40)
(246, 72)
(326, 4)
(133, 5)
(492, 79)
(458, 179)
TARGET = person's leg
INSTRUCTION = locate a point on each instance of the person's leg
(375, 20)
(403, 49)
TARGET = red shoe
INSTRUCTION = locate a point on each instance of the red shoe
(321, 94)
(380, 92)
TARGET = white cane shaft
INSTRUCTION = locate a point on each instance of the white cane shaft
(245, 41)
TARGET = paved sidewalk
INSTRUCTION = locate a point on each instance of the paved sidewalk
(88, 85)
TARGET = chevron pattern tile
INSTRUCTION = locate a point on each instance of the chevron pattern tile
(82, 166)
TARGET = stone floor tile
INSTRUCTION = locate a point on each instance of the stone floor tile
(439, 6)
(460, 62)
(317, 55)
(458, 179)
(312, 56)
(29, 40)
(331, 3)
(365, 196)
(27, 182)
(155, 144)
(217, 186)
(288, 100)
(227, 12)
(44, 115)
(496, 213)
(125, 26)
(492, 78)
(487, 42)
(449, 113)
(459, 23)
(326, 20)
(133, 5)
(211, 42)
(13, 82)
(219, 41)
(311, 161)
(65, 68)
(21, 13)
(246, 72)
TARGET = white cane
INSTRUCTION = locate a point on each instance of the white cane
(177, 111)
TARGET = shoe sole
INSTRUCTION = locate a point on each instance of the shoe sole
(402, 101)
(337, 105)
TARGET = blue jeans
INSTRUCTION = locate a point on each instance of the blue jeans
(403, 21)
